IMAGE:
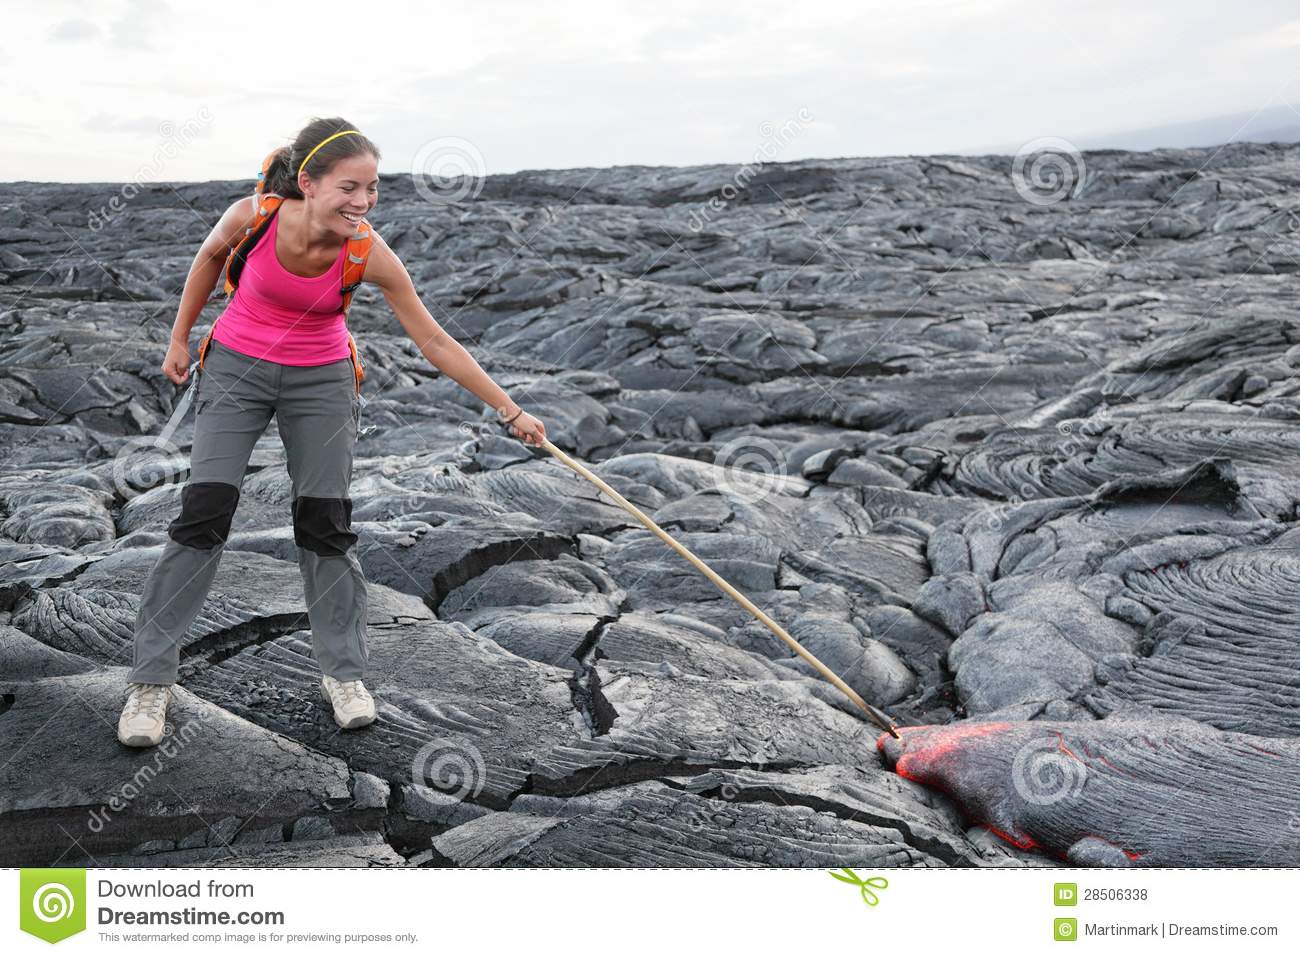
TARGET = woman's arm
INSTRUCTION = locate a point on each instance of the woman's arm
(206, 269)
(385, 270)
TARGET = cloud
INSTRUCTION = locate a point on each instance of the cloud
(103, 123)
(135, 30)
(72, 31)
(581, 83)
(1285, 35)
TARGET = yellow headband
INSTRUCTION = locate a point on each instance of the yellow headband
(322, 143)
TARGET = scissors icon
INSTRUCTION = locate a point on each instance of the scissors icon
(868, 895)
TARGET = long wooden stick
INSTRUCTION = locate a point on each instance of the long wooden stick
(875, 714)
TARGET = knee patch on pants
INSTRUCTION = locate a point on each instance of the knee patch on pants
(323, 525)
(207, 509)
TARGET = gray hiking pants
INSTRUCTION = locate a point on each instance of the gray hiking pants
(317, 410)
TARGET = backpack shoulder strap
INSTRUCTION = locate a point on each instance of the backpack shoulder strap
(264, 206)
(354, 267)
(267, 206)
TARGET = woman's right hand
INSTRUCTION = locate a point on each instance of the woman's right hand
(529, 428)
(176, 366)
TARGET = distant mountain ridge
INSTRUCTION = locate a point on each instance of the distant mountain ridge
(1277, 124)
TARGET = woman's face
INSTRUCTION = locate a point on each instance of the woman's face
(345, 194)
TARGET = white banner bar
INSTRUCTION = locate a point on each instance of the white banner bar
(646, 911)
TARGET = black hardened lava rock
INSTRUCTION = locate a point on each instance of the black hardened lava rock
(1025, 474)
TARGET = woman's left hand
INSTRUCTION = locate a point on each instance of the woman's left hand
(529, 428)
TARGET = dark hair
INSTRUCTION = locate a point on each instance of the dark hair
(282, 176)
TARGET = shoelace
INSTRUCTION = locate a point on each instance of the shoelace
(353, 690)
(145, 699)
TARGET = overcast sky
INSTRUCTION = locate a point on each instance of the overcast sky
(150, 90)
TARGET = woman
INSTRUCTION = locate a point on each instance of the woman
(282, 348)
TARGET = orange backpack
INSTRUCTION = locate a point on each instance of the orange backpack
(354, 267)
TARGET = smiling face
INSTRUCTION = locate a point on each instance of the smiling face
(340, 198)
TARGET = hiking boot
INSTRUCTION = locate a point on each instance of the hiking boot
(353, 706)
(144, 716)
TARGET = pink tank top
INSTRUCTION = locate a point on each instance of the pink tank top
(282, 317)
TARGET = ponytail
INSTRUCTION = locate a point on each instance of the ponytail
(278, 177)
